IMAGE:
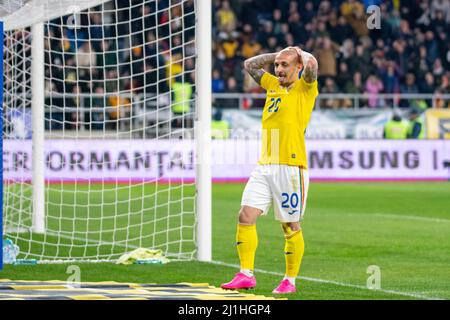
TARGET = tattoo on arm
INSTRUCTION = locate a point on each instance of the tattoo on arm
(310, 72)
(254, 66)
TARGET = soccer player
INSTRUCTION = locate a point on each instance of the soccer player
(281, 176)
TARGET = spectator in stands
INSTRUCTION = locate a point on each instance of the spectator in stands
(440, 24)
(218, 85)
(441, 103)
(431, 45)
(373, 87)
(225, 17)
(344, 30)
(440, 6)
(86, 56)
(230, 46)
(390, 74)
(250, 48)
(272, 44)
(266, 33)
(422, 61)
(239, 74)
(438, 69)
(399, 54)
(292, 7)
(359, 62)
(73, 120)
(330, 87)
(231, 87)
(297, 27)
(444, 47)
(409, 87)
(112, 82)
(326, 56)
(120, 108)
(354, 12)
(393, 19)
(288, 40)
(109, 54)
(347, 49)
(322, 30)
(444, 87)
(343, 76)
(355, 86)
(150, 81)
(95, 30)
(308, 13)
(70, 74)
(342, 23)
(98, 116)
(277, 22)
(414, 39)
(427, 86)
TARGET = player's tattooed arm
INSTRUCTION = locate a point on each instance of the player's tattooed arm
(254, 65)
(311, 67)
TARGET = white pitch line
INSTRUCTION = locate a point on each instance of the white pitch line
(399, 216)
(393, 216)
(341, 284)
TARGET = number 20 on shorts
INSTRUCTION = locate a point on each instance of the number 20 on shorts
(290, 201)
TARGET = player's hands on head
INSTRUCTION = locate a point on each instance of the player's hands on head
(299, 53)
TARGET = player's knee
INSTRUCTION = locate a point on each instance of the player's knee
(248, 215)
(295, 226)
(290, 228)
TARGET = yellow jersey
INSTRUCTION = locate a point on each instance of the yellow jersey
(285, 117)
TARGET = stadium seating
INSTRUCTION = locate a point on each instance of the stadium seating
(410, 53)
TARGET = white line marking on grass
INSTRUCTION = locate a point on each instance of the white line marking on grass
(399, 216)
(341, 284)
(390, 216)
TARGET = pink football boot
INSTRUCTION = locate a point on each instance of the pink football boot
(285, 287)
(240, 281)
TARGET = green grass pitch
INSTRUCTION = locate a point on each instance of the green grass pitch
(403, 228)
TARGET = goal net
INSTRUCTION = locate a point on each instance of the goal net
(98, 128)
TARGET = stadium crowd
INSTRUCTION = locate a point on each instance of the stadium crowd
(409, 53)
(138, 50)
(128, 53)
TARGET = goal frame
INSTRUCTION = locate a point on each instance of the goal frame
(202, 128)
(203, 131)
(1, 148)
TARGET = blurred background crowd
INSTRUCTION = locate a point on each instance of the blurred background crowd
(131, 53)
(409, 53)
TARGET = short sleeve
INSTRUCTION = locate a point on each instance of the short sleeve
(310, 89)
(269, 81)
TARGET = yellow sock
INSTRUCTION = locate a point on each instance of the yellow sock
(293, 251)
(246, 243)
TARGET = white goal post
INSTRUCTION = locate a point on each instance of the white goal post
(106, 128)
